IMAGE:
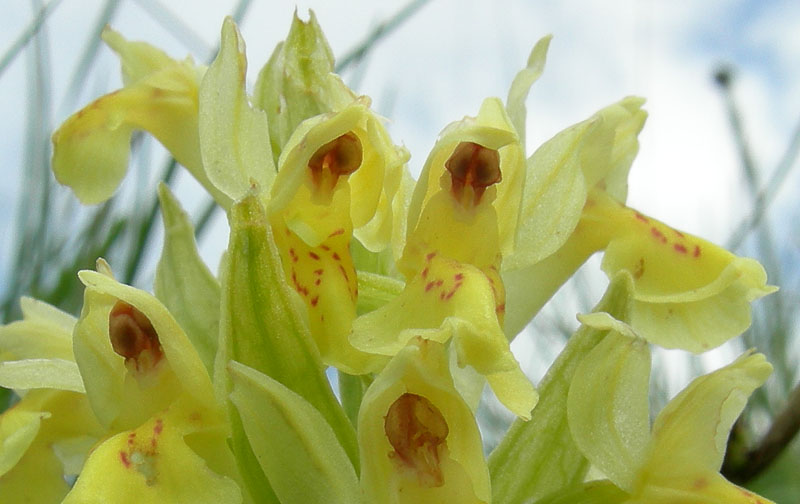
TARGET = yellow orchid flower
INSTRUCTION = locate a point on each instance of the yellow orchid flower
(678, 461)
(337, 178)
(419, 440)
(689, 293)
(461, 220)
(90, 150)
(151, 391)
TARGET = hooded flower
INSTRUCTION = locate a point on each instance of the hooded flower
(419, 440)
(338, 177)
(151, 392)
(461, 219)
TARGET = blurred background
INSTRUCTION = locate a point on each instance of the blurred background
(718, 154)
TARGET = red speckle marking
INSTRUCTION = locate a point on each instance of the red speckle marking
(430, 256)
(641, 217)
(131, 437)
(317, 281)
(336, 257)
(314, 300)
(680, 248)
(324, 247)
(429, 286)
(293, 255)
(500, 308)
(337, 232)
(658, 235)
(319, 271)
(696, 251)
(439, 282)
(123, 457)
(344, 272)
(158, 427)
(425, 273)
(639, 271)
(458, 277)
(314, 256)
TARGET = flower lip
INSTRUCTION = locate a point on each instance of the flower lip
(473, 165)
(341, 156)
(133, 337)
(417, 431)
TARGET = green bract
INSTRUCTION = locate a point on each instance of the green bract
(217, 389)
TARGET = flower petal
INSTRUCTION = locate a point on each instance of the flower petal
(692, 430)
(447, 465)
(18, 428)
(450, 300)
(117, 397)
(90, 149)
(44, 333)
(298, 82)
(234, 138)
(151, 463)
(518, 93)
(41, 373)
(689, 293)
(599, 150)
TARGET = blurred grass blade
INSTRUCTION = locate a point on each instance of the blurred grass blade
(89, 53)
(27, 34)
(380, 31)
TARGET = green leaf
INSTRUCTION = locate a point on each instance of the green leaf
(311, 467)
(184, 283)
(538, 457)
(263, 322)
(593, 492)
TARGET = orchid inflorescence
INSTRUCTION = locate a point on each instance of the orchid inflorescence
(214, 388)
